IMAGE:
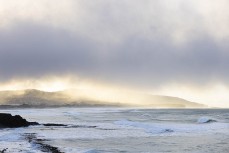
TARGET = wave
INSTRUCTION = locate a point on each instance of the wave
(71, 113)
(150, 128)
(92, 151)
(202, 120)
(163, 128)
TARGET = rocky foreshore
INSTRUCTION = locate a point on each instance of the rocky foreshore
(9, 121)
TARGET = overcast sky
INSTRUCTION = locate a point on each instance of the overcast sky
(150, 44)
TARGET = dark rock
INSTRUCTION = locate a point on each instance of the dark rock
(53, 124)
(40, 143)
(9, 121)
(81, 126)
(3, 151)
(168, 130)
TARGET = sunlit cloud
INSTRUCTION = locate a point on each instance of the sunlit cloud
(148, 46)
(212, 94)
(49, 85)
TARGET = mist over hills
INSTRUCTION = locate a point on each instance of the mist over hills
(32, 97)
(37, 98)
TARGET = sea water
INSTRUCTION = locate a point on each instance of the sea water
(124, 130)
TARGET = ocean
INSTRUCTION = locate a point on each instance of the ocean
(120, 130)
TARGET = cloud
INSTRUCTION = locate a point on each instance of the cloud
(34, 50)
(31, 50)
(113, 21)
(146, 44)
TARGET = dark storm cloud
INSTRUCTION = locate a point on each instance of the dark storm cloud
(201, 61)
(33, 50)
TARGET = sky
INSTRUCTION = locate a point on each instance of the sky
(166, 47)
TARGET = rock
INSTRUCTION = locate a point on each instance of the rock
(40, 143)
(53, 124)
(3, 151)
(9, 121)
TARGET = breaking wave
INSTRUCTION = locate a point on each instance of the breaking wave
(150, 128)
(163, 128)
(202, 120)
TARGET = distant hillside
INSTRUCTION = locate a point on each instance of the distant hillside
(63, 98)
(32, 97)
(170, 102)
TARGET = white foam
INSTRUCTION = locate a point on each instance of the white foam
(71, 113)
(151, 128)
(79, 150)
(14, 142)
(146, 115)
(165, 128)
(92, 151)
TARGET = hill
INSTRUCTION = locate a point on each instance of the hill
(37, 98)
